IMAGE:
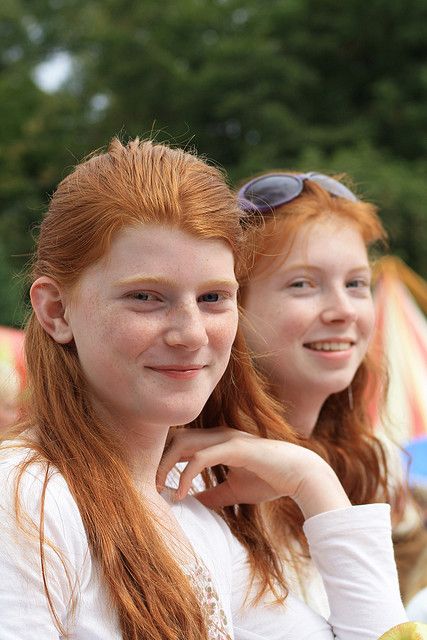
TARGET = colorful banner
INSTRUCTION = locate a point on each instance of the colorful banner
(401, 338)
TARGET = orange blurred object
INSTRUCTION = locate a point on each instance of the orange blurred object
(12, 375)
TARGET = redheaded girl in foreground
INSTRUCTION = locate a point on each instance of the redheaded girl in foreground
(134, 329)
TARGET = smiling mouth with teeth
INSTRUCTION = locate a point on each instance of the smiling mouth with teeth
(328, 346)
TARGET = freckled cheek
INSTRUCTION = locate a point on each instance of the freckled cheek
(91, 321)
(292, 317)
(110, 331)
(222, 333)
(367, 321)
(286, 327)
(131, 338)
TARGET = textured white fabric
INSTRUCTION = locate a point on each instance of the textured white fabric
(352, 548)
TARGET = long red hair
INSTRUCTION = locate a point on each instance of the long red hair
(344, 434)
(135, 184)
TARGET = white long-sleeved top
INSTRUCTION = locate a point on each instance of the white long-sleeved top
(306, 581)
(351, 548)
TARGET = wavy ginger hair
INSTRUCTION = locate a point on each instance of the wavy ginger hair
(343, 435)
(132, 185)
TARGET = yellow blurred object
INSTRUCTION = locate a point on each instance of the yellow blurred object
(406, 631)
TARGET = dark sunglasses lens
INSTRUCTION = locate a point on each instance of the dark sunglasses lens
(332, 186)
(271, 191)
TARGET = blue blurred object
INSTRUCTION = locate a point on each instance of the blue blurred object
(417, 449)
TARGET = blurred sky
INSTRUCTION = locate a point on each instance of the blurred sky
(51, 74)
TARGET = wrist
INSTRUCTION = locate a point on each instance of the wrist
(320, 490)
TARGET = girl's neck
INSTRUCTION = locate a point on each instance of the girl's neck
(143, 445)
(145, 448)
(302, 413)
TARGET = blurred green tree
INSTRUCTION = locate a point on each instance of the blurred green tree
(307, 84)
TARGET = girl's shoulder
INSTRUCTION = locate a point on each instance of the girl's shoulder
(29, 485)
(18, 461)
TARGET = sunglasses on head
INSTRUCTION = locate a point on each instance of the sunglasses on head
(266, 193)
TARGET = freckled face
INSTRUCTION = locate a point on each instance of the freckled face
(311, 318)
(154, 323)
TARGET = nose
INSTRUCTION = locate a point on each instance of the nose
(186, 328)
(339, 308)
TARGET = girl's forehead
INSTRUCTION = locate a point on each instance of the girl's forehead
(157, 251)
(325, 224)
(314, 241)
(324, 230)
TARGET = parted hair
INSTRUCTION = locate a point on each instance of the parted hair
(129, 185)
(344, 434)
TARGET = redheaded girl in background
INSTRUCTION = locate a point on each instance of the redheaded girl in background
(309, 316)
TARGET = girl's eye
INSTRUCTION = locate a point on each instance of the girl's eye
(301, 284)
(358, 283)
(210, 297)
(145, 296)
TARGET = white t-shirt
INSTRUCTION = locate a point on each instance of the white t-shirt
(351, 548)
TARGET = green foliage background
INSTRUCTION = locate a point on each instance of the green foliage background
(320, 85)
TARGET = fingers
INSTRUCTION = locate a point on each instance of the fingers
(179, 449)
(184, 443)
(167, 463)
(220, 496)
(209, 457)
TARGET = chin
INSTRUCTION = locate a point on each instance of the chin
(177, 418)
(338, 387)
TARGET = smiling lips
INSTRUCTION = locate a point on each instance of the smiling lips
(179, 372)
(330, 345)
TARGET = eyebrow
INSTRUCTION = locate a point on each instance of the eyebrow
(305, 265)
(141, 279)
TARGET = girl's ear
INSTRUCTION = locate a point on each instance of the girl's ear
(48, 301)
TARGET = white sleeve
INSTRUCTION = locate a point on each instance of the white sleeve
(24, 610)
(353, 551)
